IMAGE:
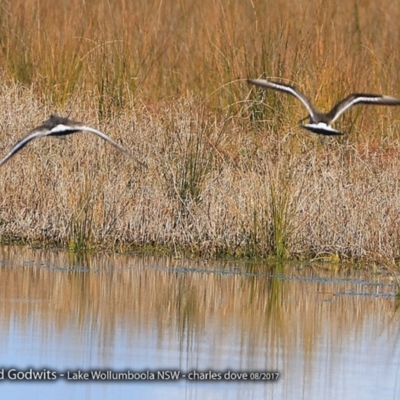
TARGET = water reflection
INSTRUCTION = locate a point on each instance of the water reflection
(330, 333)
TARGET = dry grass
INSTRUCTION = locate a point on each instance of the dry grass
(228, 171)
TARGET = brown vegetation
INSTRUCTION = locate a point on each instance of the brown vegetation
(228, 170)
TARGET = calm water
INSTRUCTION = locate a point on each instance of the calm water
(330, 334)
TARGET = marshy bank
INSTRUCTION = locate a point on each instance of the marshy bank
(227, 170)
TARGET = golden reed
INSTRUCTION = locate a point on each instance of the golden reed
(228, 171)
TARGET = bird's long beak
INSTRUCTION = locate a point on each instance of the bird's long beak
(303, 119)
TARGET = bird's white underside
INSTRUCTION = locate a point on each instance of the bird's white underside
(62, 128)
(321, 127)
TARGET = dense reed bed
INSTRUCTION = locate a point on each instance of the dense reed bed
(228, 172)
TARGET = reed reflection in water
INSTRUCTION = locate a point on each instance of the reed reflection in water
(330, 334)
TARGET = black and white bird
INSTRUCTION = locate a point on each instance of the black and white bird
(319, 122)
(57, 126)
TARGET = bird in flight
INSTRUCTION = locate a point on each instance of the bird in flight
(319, 122)
(57, 126)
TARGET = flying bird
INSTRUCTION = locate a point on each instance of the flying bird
(57, 126)
(319, 122)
